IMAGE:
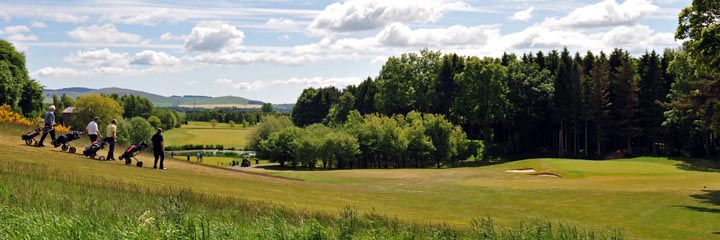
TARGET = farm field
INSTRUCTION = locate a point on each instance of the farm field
(203, 133)
(645, 198)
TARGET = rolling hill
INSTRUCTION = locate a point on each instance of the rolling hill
(187, 101)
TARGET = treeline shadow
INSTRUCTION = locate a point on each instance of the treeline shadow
(708, 197)
(296, 169)
(696, 164)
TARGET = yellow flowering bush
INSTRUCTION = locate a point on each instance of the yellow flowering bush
(8, 116)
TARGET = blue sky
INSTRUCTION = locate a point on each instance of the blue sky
(271, 50)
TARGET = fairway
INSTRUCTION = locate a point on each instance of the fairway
(202, 133)
(646, 198)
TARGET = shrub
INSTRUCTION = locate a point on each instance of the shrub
(8, 116)
(154, 121)
(134, 131)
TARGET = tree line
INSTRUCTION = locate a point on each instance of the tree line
(562, 104)
(17, 89)
(369, 141)
(226, 115)
(591, 105)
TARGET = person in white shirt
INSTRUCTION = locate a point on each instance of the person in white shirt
(92, 129)
(111, 139)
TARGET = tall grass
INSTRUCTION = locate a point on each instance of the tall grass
(38, 202)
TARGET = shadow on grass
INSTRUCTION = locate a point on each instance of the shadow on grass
(707, 197)
(695, 164)
(304, 169)
(296, 169)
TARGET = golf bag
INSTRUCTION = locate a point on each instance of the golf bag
(245, 163)
(91, 150)
(133, 151)
(29, 137)
(65, 139)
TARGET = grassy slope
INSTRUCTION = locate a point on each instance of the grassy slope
(203, 133)
(646, 197)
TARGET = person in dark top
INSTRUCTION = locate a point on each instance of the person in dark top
(158, 148)
(49, 125)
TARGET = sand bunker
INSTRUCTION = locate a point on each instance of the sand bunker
(532, 170)
(546, 174)
(522, 170)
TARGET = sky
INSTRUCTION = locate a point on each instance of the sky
(270, 50)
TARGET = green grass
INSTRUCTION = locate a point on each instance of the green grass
(203, 133)
(214, 161)
(645, 198)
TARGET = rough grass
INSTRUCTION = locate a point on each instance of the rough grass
(202, 133)
(646, 198)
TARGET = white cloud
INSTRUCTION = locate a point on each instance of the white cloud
(150, 18)
(111, 71)
(190, 83)
(283, 58)
(223, 81)
(638, 38)
(105, 59)
(56, 71)
(60, 17)
(99, 58)
(361, 15)
(4, 16)
(379, 60)
(149, 57)
(171, 37)
(107, 33)
(280, 23)
(591, 27)
(320, 81)
(607, 13)
(214, 36)
(397, 34)
(252, 86)
(22, 37)
(21, 46)
(36, 24)
(601, 26)
(15, 29)
(284, 37)
(523, 15)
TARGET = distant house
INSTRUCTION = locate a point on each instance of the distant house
(67, 116)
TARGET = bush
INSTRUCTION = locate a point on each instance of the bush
(219, 147)
(92, 105)
(154, 121)
(134, 131)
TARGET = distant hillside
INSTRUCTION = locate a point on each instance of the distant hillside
(161, 101)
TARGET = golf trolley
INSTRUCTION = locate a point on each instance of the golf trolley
(29, 137)
(91, 150)
(133, 151)
(65, 139)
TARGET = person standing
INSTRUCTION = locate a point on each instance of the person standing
(49, 125)
(92, 129)
(158, 149)
(111, 138)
